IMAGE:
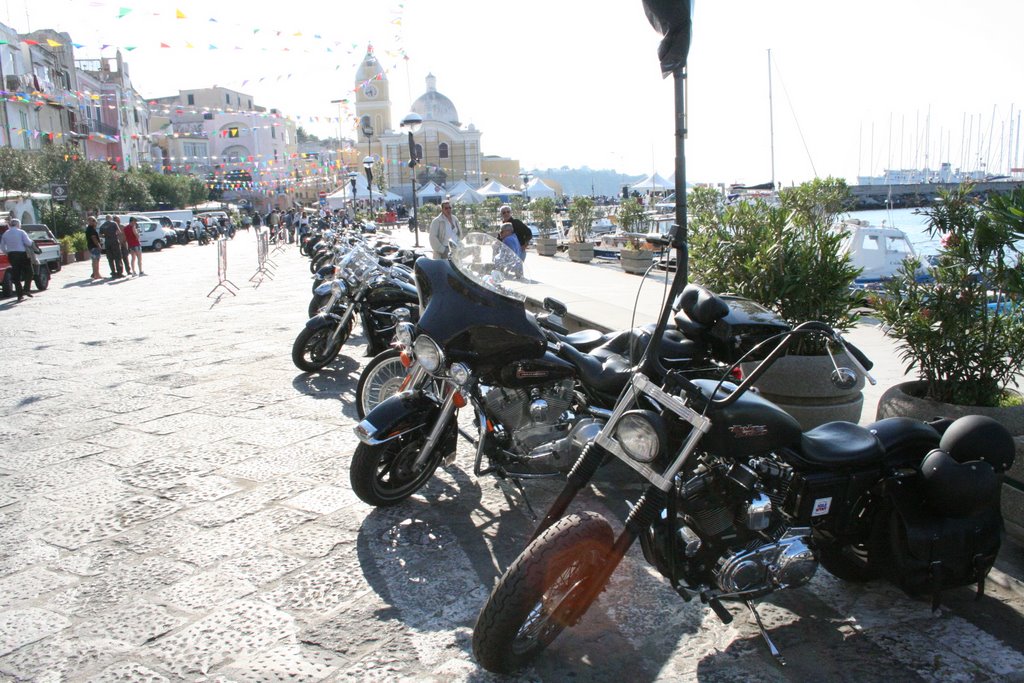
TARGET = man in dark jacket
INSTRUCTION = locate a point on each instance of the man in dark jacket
(112, 244)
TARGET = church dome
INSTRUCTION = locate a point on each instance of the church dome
(433, 106)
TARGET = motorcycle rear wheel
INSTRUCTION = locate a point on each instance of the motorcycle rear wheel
(312, 350)
(382, 378)
(382, 475)
(525, 612)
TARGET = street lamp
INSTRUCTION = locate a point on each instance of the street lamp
(352, 175)
(368, 167)
(413, 121)
(526, 179)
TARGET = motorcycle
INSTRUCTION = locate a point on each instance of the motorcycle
(739, 502)
(365, 289)
(537, 398)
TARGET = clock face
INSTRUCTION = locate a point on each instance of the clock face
(370, 91)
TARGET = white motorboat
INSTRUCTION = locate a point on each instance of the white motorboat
(879, 250)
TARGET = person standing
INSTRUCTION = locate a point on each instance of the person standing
(131, 236)
(257, 222)
(123, 243)
(507, 235)
(16, 243)
(92, 240)
(522, 232)
(443, 230)
(109, 231)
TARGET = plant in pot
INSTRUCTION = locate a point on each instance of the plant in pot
(543, 210)
(581, 213)
(634, 256)
(80, 246)
(67, 250)
(963, 331)
(786, 257)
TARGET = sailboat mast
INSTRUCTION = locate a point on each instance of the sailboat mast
(771, 116)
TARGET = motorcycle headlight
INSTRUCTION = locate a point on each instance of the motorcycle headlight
(459, 373)
(641, 433)
(337, 287)
(404, 333)
(428, 353)
(325, 288)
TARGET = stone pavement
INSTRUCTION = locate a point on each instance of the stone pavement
(174, 506)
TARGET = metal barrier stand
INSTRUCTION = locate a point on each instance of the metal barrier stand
(222, 269)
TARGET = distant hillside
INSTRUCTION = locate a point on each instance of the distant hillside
(587, 181)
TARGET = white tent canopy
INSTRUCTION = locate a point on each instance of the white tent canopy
(470, 196)
(430, 190)
(652, 183)
(337, 199)
(537, 188)
(496, 189)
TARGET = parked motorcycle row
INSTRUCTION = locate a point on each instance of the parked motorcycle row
(738, 501)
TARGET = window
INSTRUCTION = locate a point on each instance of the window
(191, 99)
(227, 98)
(442, 150)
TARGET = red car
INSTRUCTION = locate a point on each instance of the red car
(49, 259)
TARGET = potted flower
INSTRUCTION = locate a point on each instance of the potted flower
(581, 213)
(963, 331)
(67, 250)
(81, 246)
(543, 210)
(785, 256)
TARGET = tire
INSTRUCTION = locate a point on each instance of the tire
(382, 378)
(55, 266)
(310, 351)
(380, 474)
(521, 617)
(42, 278)
(316, 303)
(319, 261)
(158, 245)
(7, 286)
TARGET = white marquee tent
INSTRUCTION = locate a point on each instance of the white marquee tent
(496, 189)
(537, 188)
(337, 199)
(462, 193)
(653, 183)
(430, 190)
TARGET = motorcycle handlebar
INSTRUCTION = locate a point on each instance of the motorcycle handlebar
(864, 361)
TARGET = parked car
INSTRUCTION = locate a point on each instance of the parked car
(152, 235)
(6, 282)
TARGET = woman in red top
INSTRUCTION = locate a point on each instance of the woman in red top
(131, 235)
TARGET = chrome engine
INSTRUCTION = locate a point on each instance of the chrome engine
(786, 563)
(540, 422)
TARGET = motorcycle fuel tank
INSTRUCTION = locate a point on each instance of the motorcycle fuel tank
(533, 371)
(749, 426)
(392, 293)
(470, 322)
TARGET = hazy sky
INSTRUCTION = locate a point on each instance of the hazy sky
(577, 82)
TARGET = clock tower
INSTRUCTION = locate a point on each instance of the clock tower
(372, 96)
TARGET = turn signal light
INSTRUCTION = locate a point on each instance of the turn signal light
(406, 359)
(459, 400)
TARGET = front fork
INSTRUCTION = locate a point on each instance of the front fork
(347, 316)
(446, 414)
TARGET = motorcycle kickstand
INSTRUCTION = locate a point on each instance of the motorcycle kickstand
(502, 480)
(764, 634)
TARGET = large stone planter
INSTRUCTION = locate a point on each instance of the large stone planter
(636, 261)
(546, 246)
(802, 386)
(906, 400)
(581, 252)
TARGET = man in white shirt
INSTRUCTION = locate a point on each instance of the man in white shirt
(444, 229)
(16, 243)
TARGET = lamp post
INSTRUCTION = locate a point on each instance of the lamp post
(368, 167)
(526, 179)
(352, 175)
(413, 121)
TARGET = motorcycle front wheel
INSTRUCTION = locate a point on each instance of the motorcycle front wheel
(312, 349)
(384, 474)
(383, 377)
(526, 610)
(316, 303)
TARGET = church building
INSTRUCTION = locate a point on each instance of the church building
(449, 151)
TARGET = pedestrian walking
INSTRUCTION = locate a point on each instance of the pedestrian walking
(109, 231)
(122, 241)
(92, 240)
(18, 246)
(443, 230)
(131, 236)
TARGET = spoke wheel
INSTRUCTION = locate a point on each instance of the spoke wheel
(528, 607)
(382, 378)
(312, 349)
(385, 474)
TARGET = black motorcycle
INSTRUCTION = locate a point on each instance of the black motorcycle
(739, 503)
(537, 398)
(364, 289)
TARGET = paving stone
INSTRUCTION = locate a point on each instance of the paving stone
(322, 499)
(59, 476)
(202, 489)
(89, 561)
(203, 591)
(128, 672)
(342, 634)
(247, 502)
(240, 630)
(91, 494)
(119, 587)
(314, 540)
(19, 627)
(285, 663)
(108, 521)
(210, 546)
(321, 587)
(159, 474)
(155, 536)
(28, 461)
(29, 585)
(63, 659)
(263, 566)
(23, 553)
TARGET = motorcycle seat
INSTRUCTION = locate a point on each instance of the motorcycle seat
(835, 445)
(676, 347)
(606, 376)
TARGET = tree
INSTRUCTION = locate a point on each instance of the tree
(89, 184)
(581, 212)
(631, 215)
(543, 210)
(167, 190)
(131, 191)
(17, 170)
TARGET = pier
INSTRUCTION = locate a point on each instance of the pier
(918, 194)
